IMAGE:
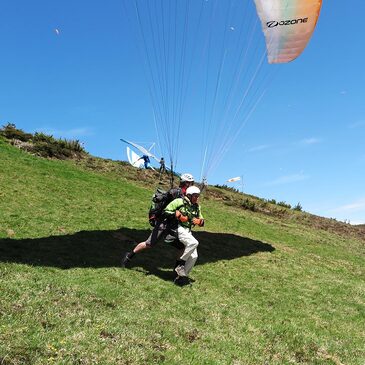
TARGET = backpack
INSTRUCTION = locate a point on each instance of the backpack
(160, 200)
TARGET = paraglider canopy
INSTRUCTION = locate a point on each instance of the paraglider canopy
(208, 66)
(288, 26)
(141, 149)
(134, 159)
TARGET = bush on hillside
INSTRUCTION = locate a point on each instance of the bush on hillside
(281, 204)
(228, 188)
(42, 144)
(45, 149)
(10, 131)
(48, 146)
(284, 204)
(249, 204)
(72, 145)
(272, 201)
(298, 207)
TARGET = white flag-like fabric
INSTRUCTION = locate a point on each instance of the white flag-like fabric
(233, 179)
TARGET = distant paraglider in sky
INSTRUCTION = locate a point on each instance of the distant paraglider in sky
(57, 31)
(208, 66)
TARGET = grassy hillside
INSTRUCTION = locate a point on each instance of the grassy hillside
(274, 287)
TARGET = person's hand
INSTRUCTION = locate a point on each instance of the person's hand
(198, 222)
(180, 217)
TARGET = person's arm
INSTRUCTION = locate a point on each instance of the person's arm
(173, 206)
(200, 213)
(199, 221)
(172, 209)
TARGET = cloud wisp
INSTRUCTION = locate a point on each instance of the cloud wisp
(355, 206)
(288, 179)
(359, 124)
(259, 148)
(309, 141)
(302, 142)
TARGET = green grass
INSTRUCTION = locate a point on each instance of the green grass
(266, 291)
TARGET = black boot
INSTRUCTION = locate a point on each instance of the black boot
(182, 280)
(127, 258)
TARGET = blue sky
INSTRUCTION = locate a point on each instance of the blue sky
(302, 143)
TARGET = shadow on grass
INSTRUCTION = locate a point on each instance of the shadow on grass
(97, 249)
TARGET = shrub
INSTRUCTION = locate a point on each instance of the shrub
(48, 146)
(43, 144)
(272, 201)
(75, 145)
(248, 204)
(284, 204)
(10, 131)
(52, 150)
(298, 207)
(225, 187)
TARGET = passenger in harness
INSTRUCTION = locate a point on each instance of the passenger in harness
(161, 222)
(187, 213)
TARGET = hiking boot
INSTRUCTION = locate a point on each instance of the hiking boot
(126, 259)
(181, 281)
(180, 270)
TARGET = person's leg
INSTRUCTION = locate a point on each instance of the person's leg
(190, 262)
(190, 243)
(172, 240)
(151, 241)
(140, 247)
(188, 240)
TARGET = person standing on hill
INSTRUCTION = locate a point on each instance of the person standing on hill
(146, 160)
(162, 166)
(187, 213)
(162, 223)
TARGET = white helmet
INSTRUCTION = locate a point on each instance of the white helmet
(186, 178)
(192, 190)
